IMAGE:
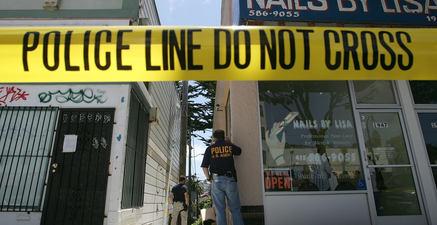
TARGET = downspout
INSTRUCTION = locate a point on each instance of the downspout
(182, 149)
(167, 193)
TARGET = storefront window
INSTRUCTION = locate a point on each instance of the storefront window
(309, 139)
(396, 195)
(428, 122)
(384, 139)
(374, 92)
(424, 92)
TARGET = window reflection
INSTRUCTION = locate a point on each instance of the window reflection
(384, 139)
(374, 92)
(428, 122)
(396, 194)
(309, 130)
(424, 92)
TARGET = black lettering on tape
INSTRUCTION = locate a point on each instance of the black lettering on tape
(306, 42)
(237, 48)
(228, 43)
(374, 45)
(55, 50)
(292, 43)
(97, 50)
(120, 47)
(337, 62)
(390, 50)
(27, 48)
(180, 50)
(190, 48)
(68, 66)
(86, 47)
(409, 53)
(271, 49)
(148, 49)
(348, 48)
(165, 49)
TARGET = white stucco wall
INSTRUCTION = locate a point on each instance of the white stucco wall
(76, 96)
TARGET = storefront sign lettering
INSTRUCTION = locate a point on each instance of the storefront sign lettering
(409, 6)
(421, 12)
(333, 157)
(325, 124)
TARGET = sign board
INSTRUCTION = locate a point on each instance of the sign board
(125, 54)
(277, 180)
(70, 143)
(412, 12)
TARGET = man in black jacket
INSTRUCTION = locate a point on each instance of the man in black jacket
(219, 160)
(179, 197)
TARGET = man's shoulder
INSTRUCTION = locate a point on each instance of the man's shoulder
(220, 143)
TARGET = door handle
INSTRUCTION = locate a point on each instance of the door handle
(54, 165)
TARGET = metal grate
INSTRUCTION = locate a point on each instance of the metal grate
(136, 153)
(26, 135)
(78, 176)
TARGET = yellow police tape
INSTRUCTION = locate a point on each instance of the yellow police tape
(155, 53)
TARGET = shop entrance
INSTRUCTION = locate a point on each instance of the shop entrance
(78, 173)
(391, 180)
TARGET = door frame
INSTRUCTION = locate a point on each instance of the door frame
(383, 220)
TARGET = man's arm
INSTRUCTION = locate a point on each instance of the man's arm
(206, 172)
(235, 149)
(186, 198)
(171, 198)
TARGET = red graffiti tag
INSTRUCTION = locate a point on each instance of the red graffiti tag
(11, 94)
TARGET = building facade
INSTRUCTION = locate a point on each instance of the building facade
(330, 152)
(87, 153)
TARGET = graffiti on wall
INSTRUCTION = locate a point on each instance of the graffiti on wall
(11, 94)
(86, 95)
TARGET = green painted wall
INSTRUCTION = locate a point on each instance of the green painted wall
(130, 9)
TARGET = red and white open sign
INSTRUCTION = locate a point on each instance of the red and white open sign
(277, 180)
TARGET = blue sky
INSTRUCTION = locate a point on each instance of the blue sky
(189, 12)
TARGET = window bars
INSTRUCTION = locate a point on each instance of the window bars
(26, 135)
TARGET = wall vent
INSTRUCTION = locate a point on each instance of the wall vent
(51, 5)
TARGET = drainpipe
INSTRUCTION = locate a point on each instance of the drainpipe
(182, 145)
(167, 193)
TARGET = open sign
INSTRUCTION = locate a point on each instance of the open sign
(277, 180)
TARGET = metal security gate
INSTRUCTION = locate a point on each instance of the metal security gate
(26, 135)
(78, 173)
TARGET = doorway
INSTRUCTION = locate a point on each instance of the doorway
(78, 172)
(391, 180)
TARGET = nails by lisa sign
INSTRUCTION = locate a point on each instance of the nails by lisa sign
(419, 12)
